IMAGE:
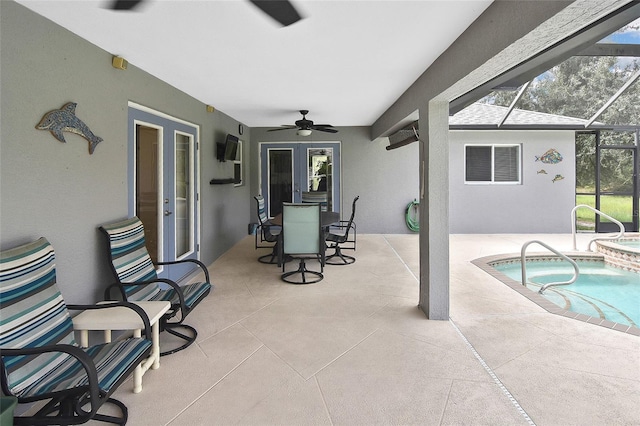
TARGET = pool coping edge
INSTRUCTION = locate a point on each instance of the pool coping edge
(484, 263)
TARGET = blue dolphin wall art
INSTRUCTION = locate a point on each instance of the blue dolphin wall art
(65, 120)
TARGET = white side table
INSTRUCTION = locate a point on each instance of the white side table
(122, 318)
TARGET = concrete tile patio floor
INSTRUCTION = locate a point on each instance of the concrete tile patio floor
(354, 349)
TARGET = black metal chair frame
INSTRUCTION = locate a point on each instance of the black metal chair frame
(341, 241)
(264, 234)
(181, 307)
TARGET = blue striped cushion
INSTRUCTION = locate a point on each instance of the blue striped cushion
(191, 292)
(262, 212)
(112, 360)
(131, 260)
(32, 312)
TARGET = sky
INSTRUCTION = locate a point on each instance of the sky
(629, 34)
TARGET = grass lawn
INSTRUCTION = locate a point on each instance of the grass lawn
(617, 206)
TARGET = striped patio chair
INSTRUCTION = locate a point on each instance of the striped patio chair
(40, 360)
(137, 280)
(320, 197)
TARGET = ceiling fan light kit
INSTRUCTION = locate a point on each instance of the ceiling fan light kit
(305, 127)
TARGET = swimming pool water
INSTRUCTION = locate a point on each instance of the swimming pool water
(601, 291)
(629, 243)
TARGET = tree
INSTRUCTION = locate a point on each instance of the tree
(579, 87)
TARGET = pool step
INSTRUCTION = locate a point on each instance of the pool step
(619, 256)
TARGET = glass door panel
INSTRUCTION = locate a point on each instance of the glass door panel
(617, 193)
(319, 177)
(147, 186)
(280, 179)
(183, 194)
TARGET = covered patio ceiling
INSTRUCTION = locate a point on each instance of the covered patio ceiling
(345, 61)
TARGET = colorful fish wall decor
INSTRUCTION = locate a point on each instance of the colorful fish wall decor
(542, 172)
(557, 178)
(65, 120)
(552, 156)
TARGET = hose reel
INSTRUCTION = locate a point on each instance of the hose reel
(412, 216)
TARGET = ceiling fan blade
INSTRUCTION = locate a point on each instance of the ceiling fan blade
(282, 128)
(322, 125)
(280, 10)
(125, 4)
(325, 129)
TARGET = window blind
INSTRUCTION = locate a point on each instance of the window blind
(492, 163)
(478, 167)
(506, 164)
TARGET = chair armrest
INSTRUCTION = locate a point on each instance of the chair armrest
(343, 224)
(120, 286)
(107, 291)
(176, 288)
(137, 309)
(173, 284)
(197, 262)
(84, 359)
(341, 230)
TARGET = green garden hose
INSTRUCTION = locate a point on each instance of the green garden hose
(412, 216)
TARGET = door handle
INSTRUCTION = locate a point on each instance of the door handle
(167, 213)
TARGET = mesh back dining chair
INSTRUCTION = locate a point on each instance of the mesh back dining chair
(137, 279)
(338, 237)
(302, 237)
(40, 361)
(266, 232)
(320, 197)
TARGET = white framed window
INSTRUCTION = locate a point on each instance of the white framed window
(492, 164)
(237, 167)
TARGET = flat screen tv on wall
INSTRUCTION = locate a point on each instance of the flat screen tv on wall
(227, 151)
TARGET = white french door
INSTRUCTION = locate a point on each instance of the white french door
(163, 186)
